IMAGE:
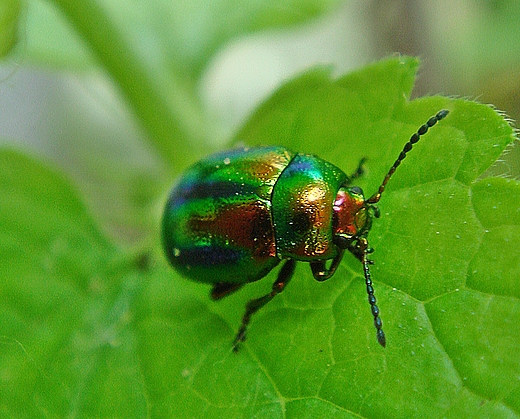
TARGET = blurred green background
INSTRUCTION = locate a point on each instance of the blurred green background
(214, 63)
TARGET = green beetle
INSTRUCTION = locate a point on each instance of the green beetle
(237, 214)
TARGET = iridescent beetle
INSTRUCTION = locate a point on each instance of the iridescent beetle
(236, 214)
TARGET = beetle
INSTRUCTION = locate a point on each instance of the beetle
(237, 214)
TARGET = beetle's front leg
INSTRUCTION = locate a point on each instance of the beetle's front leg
(360, 249)
(319, 267)
(284, 276)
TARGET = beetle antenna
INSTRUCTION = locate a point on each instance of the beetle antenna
(407, 147)
(370, 292)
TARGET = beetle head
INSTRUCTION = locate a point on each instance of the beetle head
(352, 213)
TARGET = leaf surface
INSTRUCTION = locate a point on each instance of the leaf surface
(89, 330)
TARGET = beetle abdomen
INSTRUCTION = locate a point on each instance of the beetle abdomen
(217, 224)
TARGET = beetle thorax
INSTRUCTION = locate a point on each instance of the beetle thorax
(351, 218)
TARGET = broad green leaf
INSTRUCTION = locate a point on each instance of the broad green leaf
(312, 352)
(90, 331)
(66, 346)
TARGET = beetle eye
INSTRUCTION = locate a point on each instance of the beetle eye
(357, 190)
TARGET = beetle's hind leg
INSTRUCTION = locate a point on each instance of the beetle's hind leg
(284, 276)
(223, 289)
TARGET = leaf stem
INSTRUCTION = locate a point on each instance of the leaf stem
(167, 111)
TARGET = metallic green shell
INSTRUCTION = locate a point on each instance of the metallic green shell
(217, 225)
(234, 215)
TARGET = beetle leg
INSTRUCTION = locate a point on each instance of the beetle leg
(223, 289)
(358, 173)
(319, 267)
(284, 276)
(359, 249)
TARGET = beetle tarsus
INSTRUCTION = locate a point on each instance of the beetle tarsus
(239, 338)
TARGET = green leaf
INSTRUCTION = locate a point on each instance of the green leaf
(312, 351)
(90, 331)
(66, 348)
